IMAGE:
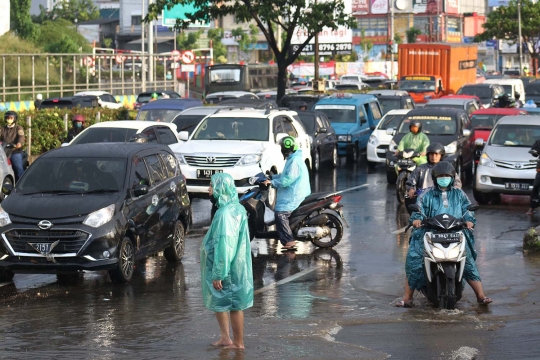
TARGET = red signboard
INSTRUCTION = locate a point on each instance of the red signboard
(361, 6)
(452, 6)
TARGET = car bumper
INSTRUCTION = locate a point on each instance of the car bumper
(493, 180)
(345, 148)
(198, 187)
(376, 153)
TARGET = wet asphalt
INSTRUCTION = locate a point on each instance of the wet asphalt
(315, 304)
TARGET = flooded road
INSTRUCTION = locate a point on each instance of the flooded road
(316, 304)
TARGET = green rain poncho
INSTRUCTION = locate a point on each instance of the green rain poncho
(226, 252)
(419, 142)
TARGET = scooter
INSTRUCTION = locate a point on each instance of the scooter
(8, 149)
(405, 165)
(444, 257)
(318, 219)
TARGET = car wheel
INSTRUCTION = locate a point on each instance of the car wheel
(123, 272)
(6, 275)
(2, 195)
(480, 197)
(468, 174)
(391, 176)
(335, 157)
(353, 157)
(316, 160)
(175, 252)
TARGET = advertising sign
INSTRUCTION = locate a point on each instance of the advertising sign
(179, 11)
(360, 6)
(4, 17)
(379, 6)
(428, 6)
(451, 6)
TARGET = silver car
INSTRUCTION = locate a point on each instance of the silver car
(505, 165)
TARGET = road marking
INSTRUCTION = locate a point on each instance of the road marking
(6, 283)
(286, 280)
(399, 231)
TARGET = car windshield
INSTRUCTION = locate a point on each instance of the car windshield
(224, 75)
(350, 78)
(482, 92)
(389, 104)
(308, 121)
(145, 97)
(105, 134)
(416, 85)
(338, 113)
(158, 115)
(391, 121)
(347, 87)
(187, 122)
(532, 89)
(73, 175)
(431, 125)
(451, 106)
(485, 121)
(228, 128)
(517, 135)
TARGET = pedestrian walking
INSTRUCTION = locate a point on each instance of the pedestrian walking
(226, 270)
(38, 101)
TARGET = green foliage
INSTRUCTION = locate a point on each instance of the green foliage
(531, 242)
(220, 51)
(188, 40)
(411, 34)
(61, 36)
(82, 10)
(365, 44)
(20, 15)
(398, 39)
(246, 39)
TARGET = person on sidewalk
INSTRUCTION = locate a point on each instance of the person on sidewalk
(226, 270)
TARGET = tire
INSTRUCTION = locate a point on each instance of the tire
(480, 197)
(459, 170)
(316, 161)
(336, 233)
(175, 252)
(272, 197)
(371, 165)
(441, 290)
(2, 195)
(354, 156)
(468, 175)
(450, 294)
(391, 176)
(123, 272)
(401, 190)
(251, 228)
(335, 158)
(6, 275)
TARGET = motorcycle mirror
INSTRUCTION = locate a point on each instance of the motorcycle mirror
(252, 180)
(415, 208)
(473, 207)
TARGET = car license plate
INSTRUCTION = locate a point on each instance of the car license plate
(446, 237)
(207, 173)
(41, 247)
(516, 186)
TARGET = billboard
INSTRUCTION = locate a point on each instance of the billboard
(379, 6)
(4, 17)
(451, 6)
(427, 6)
(360, 6)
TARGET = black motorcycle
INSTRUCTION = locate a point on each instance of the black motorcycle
(318, 219)
(405, 165)
(9, 148)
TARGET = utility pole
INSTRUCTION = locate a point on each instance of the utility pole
(520, 39)
(316, 52)
(391, 5)
(143, 62)
(150, 49)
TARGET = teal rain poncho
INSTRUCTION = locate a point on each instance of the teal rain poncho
(292, 184)
(432, 204)
(226, 252)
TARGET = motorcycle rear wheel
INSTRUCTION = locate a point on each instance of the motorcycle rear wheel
(336, 233)
(401, 190)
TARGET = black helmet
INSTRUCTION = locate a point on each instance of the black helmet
(288, 145)
(503, 100)
(11, 113)
(443, 168)
(417, 124)
(139, 138)
(436, 148)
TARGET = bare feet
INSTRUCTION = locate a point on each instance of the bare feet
(235, 346)
(223, 342)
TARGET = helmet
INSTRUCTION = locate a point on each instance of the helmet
(288, 145)
(139, 138)
(443, 168)
(11, 113)
(511, 103)
(154, 95)
(503, 100)
(78, 118)
(436, 148)
(417, 124)
(39, 97)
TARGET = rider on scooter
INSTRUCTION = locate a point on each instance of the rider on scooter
(293, 187)
(420, 178)
(77, 127)
(441, 198)
(12, 133)
(416, 140)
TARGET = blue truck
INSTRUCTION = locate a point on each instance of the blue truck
(353, 117)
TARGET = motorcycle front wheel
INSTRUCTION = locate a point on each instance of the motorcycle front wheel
(401, 190)
(446, 292)
(335, 235)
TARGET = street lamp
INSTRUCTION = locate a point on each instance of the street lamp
(76, 26)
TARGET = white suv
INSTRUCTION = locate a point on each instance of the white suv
(236, 142)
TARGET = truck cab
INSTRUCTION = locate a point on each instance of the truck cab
(353, 117)
(422, 88)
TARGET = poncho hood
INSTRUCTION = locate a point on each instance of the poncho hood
(224, 189)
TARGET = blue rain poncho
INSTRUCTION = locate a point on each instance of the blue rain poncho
(431, 202)
(226, 252)
(292, 184)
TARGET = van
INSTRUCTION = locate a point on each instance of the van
(353, 117)
(511, 87)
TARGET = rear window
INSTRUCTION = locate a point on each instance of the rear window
(485, 121)
(187, 122)
(482, 92)
(453, 106)
(390, 104)
(532, 89)
(61, 104)
(218, 99)
(98, 135)
(347, 87)
(308, 121)
(391, 121)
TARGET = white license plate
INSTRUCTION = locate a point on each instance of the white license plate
(446, 237)
(207, 173)
(516, 186)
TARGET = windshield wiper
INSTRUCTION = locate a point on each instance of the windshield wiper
(187, 127)
(98, 191)
(53, 192)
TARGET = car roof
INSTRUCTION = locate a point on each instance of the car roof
(500, 111)
(158, 91)
(507, 81)
(388, 92)
(230, 93)
(435, 111)
(131, 124)
(398, 112)
(169, 104)
(520, 120)
(102, 150)
(484, 84)
(72, 98)
(92, 92)
(449, 101)
(349, 99)
(201, 110)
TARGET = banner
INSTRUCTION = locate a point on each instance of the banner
(308, 69)
(452, 6)
(379, 6)
(360, 6)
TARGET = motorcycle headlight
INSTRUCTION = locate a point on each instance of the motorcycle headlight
(485, 160)
(393, 146)
(344, 138)
(181, 159)
(373, 140)
(250, 159)
(453, 253)
(451, 148)
(100, 217)
(4, 217)
(438, 253)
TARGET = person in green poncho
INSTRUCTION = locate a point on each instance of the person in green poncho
(416, 140)
(226, 271)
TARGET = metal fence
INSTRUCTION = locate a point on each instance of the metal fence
(23, 76)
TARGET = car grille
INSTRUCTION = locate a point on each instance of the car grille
(382, 155)
(514, 165)
(71, 241)
(502, 181)
(206, 182)
(212, 161)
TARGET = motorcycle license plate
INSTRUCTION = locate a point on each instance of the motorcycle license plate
(43, 248)
(516, 186)
(207, 173)
(446, 237)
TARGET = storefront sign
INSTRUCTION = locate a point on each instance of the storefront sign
(379, 6)
(360, 6)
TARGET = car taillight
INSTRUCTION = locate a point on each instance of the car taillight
(337, 198)
(9, 161)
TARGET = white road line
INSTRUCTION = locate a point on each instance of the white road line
(286, 280)
(399, 231)
(6, 283)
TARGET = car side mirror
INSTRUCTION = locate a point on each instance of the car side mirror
(415, 208)
(140, 190)
(363, 121)
(7, 188)
(479, 142)
(322, 130)
(372, 128)
(183, 135)
(473, 207)
(466, 132)
(390, 131)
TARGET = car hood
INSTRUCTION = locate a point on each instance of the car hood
(508, 153)
(342, 128)
(382, 137)
(233, 147)
(52, 206)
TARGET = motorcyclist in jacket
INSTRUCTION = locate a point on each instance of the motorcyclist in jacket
(535, 200)
(420, 178)
(416, 140)
(77, 127)
(11, 133)
(293, 186)
(443, 197)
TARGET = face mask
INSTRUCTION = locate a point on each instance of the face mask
(78, 125)
(10, 121)
(444, 181)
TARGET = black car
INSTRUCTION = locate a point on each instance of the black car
(294, 102)
(324, 144)
(86, 101)
(487, 93)
(450, 127)
(94, 207)
(144, 97)
(393, 100)
(250, 103)
(532, 92)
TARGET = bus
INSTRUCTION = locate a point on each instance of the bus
(236, 77)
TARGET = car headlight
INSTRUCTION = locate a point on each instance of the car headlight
(250, 159)
(438, 253)
(393, 146)
(373, 140)
(451, 148)
(485, 160)
(181, 159)
(100, 217)
(453, 253)
(344, 138)
(4, 218)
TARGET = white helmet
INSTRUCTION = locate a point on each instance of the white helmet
(39, 97)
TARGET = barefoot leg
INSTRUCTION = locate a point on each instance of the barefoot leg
(223, 321)
(237, 322)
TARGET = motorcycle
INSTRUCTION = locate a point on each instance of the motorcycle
(405, 165)
(444, 257)
(318, 219)
(9, 148)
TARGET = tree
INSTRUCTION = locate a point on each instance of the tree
(246, 39)
(220, 52)
(292, 16)
(502, 24)
(82, 10)
(60, 36)
(20, 15)
(366, 44)
(411, 34)
(188, 40)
